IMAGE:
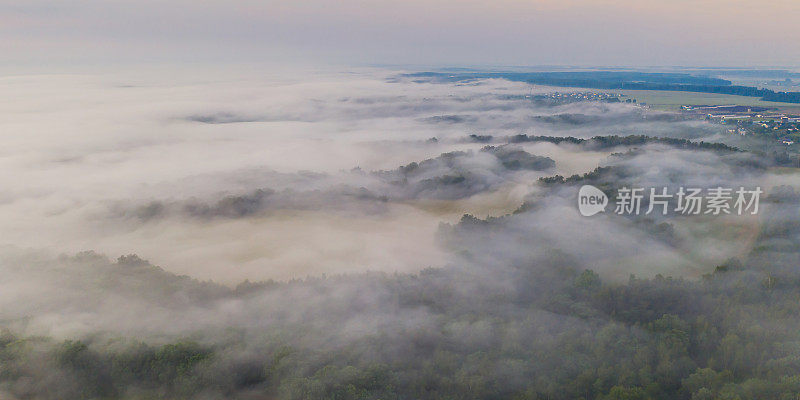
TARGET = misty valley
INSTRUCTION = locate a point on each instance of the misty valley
(383, 234)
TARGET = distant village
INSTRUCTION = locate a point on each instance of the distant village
(570, 97)
(741, 120)
(748, 120)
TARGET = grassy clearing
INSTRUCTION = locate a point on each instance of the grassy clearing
(673, 100)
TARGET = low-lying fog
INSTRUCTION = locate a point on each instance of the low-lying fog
(227, 177)
(80, 151)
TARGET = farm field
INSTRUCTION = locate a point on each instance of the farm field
(669, 100)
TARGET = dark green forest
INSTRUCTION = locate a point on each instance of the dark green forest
(622, 80)
(731, 335)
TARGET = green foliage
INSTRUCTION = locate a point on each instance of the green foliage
(645, 339)
(623, 393)
(588, 280)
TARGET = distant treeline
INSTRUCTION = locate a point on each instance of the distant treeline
(607, 142)
(560, 180)
(749, 73)
(624, 80)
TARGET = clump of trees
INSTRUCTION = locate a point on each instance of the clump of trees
(609, 142)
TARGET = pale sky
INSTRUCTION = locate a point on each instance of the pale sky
(433, 32)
